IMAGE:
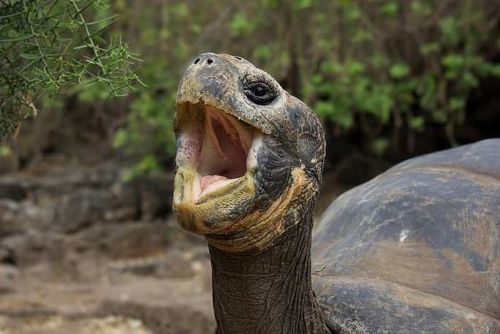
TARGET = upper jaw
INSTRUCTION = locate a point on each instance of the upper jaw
(215, 152)
(218, 90)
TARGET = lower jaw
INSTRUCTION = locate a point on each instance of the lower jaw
(214, 211)
(217, 217)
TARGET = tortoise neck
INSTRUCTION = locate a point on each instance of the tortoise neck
(267, 292)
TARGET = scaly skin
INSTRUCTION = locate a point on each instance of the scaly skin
(415, 250)
(259, 227)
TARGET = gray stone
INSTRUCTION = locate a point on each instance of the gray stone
(8, 273)
(124, 240)
(33, 247)
(12, 190)
(11, 218)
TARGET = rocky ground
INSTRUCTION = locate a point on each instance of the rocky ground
(83, 251)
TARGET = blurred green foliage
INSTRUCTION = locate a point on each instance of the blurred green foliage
(412, 62)
(47, 46)
(391, 67)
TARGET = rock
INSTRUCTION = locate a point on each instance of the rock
(8, 273)
(143, 267)
(8, 276)
(154, 194)
(90, 207)
(115, 241)
(173, 265)
(7, 256)
(12, 190)
(124, 240)
(16, 217)
(65, 180)
(145, 198)
(8, 163)
(11, 218)
(67, 200)
(78, 210)
(34, 247)
(138, 240)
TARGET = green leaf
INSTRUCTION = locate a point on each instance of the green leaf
(380, 146)
(420, 8)
(196, 28)
(428, 91)
(390, 9)
(456, 103)
(355, 67)
(262, 52)
(399, 70)
(147, 165)
(353, 12)
(450, 30)
(439, 116)
(120, 138)
(454, 61)
(416, 123)
(317, 79)
(330, 67)
(454, 64)
(30, 56)
(305, 3)
(379, 60)
(429, 48)
(4, 150)
(470, 80)
(335, 113)
(240, 25)
(362, 35)
(180, 10)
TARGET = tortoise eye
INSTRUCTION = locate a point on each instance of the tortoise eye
(260, 93)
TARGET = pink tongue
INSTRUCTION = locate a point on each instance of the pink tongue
(209, 179)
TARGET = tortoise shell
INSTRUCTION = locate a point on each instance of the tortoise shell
(416, 249)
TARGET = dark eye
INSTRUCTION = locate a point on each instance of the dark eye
(260, 93)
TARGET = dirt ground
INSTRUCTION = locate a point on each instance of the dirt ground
(83, 251)
(165, 293)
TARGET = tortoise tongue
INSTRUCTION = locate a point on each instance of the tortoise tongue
(209, 179)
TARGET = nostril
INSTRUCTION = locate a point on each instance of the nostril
(209, 61)
(239, 58)
(197, 60)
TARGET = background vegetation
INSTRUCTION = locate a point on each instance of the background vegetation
(46, 46)
(390, 78)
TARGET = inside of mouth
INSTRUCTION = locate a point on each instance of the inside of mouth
(224, 150)
(217, 144)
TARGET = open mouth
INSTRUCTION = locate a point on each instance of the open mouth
(218, 148)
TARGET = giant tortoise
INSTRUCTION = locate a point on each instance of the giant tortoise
(414, 250)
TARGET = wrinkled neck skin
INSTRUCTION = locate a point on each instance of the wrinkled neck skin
(270, 291)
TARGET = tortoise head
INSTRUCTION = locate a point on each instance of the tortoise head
(249, 155)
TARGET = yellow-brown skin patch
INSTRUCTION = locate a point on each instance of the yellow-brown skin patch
(254, 232)
(260, 229)
(212, 207)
